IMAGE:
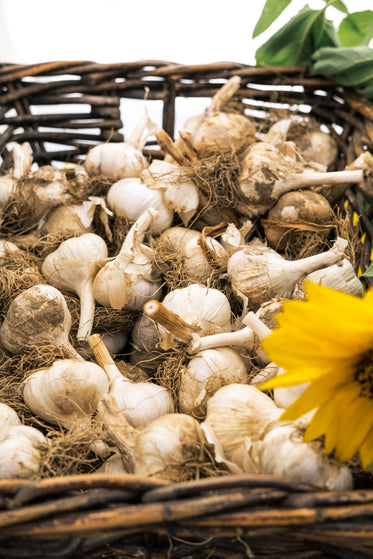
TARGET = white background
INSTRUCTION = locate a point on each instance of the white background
(189, 31)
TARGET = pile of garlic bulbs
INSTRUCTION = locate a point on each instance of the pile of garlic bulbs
(145, 287)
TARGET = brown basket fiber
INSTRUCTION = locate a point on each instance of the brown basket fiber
(64, 108)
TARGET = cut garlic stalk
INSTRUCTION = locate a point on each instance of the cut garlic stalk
(119, 160)
(260, 273)
(38, 315)
(72, 266)
(139, 402)
(67, 393)
(128, 280)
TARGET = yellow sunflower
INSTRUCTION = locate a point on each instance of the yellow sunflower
(327, 340)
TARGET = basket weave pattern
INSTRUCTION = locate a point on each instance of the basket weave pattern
(127, 516)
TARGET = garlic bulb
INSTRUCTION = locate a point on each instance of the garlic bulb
(180, 193)
(162, 448)
(38, 315)
(340, 276)
(205, 373)
(7, 188)
(72, 266)
(20, 452)
(260, 273)
(200, 254)
(8, 419)
(67, 393)
(238, 415)
(266, 174)
(6, 247)
(128, 280)
(139, 402)
(119, 160)
(74, 218)
(131, 197)
(295, 208)
(282, 453)
(204, 310)
(218, 130)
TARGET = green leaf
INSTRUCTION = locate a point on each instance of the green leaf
(296, 41)
(368, 272)
(348, 66)
(338, 5)
(272, 9)
(356, 29)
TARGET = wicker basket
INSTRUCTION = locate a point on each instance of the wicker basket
(128, 516)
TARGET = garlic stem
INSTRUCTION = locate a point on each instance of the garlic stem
(224, 94)
(253, 321)
(314, 178)
(169, 320)
(243, 337)
(137, 232)
(322, 260)
(87, 310)
(166, 142)
(136, 135)
(104, 358)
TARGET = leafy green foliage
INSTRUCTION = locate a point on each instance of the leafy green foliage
(297, 40)
(310, 39)
(368, 272)
(272, 9)
(356, 29)
(350, 66)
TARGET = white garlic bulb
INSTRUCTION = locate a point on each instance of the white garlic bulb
(239, 414)
(119, 160)
(67, 393)
(200, 254)
(38, 315)
(20, 452)
(205, 309)
(218, 130)
(162, 448)
(72, 266)
(340, 276)
(282, 453)
(260, 273)
(205, 373)
(128, 279)
(180, 193)
(19, 446)
(139, 402)
(75, 218)
(131, 197)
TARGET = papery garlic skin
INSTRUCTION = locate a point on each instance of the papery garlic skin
(164, 446)
(205, 309)
(340, 276)
(119, 160)
(131, 197)
(7, 188)
(20, 452)
(38, 315)
(180, 193)
(239, 414)
(72, 266)
(205, 373)
(128, 280)
(260, 273)
(8, 419)
(67, 393)
(196, 257)
(282, 453)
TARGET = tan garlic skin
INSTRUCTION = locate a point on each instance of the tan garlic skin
(38, 315)
(318, 146)
(302, 205)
